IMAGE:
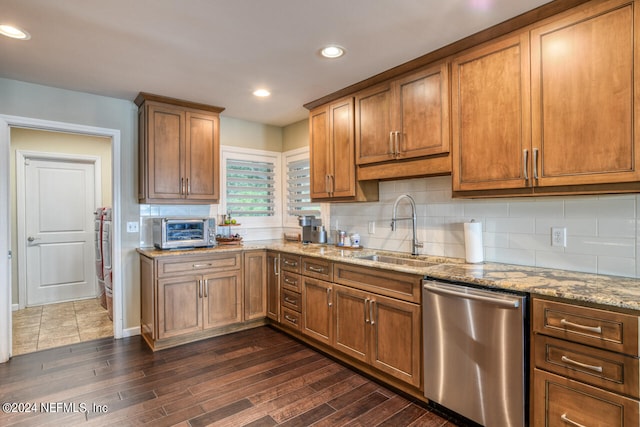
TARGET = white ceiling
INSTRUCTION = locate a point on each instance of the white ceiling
(219, 51)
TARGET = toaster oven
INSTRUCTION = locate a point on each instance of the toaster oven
(177, 233)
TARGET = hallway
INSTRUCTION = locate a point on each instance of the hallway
(54, 325)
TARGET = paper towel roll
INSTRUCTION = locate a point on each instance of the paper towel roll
(473, 242)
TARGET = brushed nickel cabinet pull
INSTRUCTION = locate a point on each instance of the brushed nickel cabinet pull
(291, 319)
(290, 263)
(397, 144)
(371, 312)
(535, 163)
(290, 301)
(317, 270)
(275, 267)
(566, 419)
(200, 288)
(582, 365)
(206, 288)
(181, 186)
(596, 329)
(201, 265)
(525, 166)
(291, 282)
(366, 303)
(327, 187)
(188, 187)
(391, 149)
(329, 303)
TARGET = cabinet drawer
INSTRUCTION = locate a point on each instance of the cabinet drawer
(318, 268)
(291, 281)
(384, 282)
(612, 371)
(569, 403)
(599, 328)
(290, 263)
(291, 318)
(211, 263)
(291, 300)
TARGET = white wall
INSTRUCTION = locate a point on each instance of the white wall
(602, 231)
(48, 103)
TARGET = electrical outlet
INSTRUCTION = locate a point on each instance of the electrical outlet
(132, 227)
(559, 236)
(372, 227)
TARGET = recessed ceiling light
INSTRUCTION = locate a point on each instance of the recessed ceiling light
(332, 51)
(262, 93)
(14, 32)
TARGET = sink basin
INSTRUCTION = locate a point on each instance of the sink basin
(399, 260)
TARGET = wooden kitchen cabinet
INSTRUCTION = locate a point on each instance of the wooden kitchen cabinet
(491, 116)
(185, 298)
(332, 155)
(550, 110)
(585, 112)
(317, 310)
(404, 118)
(273, 286)
(255, 284)
(179, 151)
(586, 366)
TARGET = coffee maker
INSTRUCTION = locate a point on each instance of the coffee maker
(312, 229)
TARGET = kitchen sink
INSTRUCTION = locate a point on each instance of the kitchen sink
(411, 262)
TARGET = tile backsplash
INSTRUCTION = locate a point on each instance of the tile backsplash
(602, 231)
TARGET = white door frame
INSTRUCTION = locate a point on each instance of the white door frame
(6, 122)
(21, 169)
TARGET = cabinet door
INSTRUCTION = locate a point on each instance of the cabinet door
(165, 151)
(255, 285)
(491, 116)
(352, 322)
(584, 115)
(222, 299)
(273, 286)
(395, 344)
(423, 113)
(374, 138)
(319, 152)
(343, 179)
(179, 306)
(202, 168)
(317, 309)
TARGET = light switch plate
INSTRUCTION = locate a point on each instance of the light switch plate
(372, 227)
(132, 227)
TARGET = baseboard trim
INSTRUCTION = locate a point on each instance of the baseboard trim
(130, 332)
(15, 307)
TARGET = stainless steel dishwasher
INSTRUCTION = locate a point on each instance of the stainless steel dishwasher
(474, 352)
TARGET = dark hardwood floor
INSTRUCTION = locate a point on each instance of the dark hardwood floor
(258, 377)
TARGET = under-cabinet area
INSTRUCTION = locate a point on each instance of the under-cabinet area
(581, 352)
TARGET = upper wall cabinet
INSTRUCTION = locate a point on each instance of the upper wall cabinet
(404, 118)
(179, 151)
(585, 108)
(332, 155)
(580, 133)
(491, 117)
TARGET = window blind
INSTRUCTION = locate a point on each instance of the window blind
(299, 189)
(250, 188)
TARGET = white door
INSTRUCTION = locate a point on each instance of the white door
(59, 202)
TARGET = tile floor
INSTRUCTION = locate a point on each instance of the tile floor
(47, 326)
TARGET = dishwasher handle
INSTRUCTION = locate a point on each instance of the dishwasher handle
(433, 287)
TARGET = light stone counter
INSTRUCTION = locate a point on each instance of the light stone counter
(622, 292)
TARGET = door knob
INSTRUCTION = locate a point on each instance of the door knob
(31, 238)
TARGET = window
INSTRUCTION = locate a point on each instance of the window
(251, 181)
(298, 188)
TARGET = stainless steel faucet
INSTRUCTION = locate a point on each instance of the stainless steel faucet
(414, 244)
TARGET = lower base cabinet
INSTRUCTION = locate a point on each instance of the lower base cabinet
(562, 402)
(187, 298)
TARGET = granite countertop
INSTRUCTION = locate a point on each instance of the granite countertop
(622, 292)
